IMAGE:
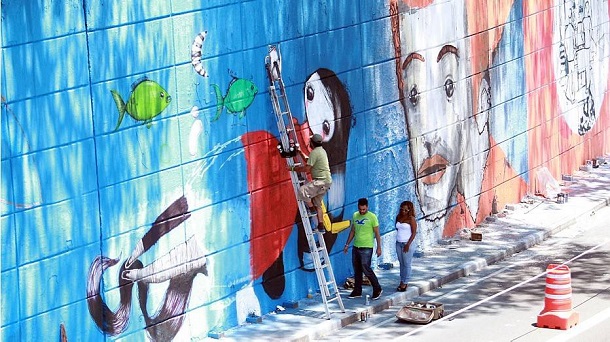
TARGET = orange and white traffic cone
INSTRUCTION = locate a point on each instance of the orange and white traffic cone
(557, 312)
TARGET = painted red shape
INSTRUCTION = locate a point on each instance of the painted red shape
(273, 205)
(417, 3)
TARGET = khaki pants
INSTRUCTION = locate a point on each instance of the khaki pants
(314, 191)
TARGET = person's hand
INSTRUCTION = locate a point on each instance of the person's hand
(405, 249)
(345, 248)
(379, 251)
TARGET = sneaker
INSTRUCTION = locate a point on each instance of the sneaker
(321, 228)
(376, 294)
(355, 295)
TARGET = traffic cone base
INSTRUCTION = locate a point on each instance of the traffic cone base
(558, 319)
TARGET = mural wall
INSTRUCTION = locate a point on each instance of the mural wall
(143, 196)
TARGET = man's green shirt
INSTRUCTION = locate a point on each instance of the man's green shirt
(364, 235)
(318, 160)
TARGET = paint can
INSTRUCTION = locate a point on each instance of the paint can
(367, 300)
(364, 315)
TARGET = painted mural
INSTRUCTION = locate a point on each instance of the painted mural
(179, 219)
(146, 100)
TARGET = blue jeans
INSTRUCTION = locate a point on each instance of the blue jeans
(404, 259)
(361, 260)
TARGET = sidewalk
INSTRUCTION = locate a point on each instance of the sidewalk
(508, 233)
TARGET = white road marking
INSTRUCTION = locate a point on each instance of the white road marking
(436, 299)
(403, 337)
(582, 327)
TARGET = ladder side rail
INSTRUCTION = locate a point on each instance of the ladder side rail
(273, 85)
(288, 137)
(287, 118)
(331, 276)
(278, 115)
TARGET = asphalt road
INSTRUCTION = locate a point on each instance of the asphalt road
(502, 302)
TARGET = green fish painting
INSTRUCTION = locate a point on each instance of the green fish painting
(147, 100)
(240, 96)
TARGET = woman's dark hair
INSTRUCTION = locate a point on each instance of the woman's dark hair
(409, 205)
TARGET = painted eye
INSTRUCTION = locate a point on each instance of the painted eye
(309, 93)
(414, 95)
(162, 94)
(449, 87)
(326, 127)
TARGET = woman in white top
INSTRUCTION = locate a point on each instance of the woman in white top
(406, 227)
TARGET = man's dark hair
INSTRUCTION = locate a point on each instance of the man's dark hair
(363, 201)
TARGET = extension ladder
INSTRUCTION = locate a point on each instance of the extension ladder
(288, 147)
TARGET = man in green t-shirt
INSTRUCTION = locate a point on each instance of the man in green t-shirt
(364, 230)
(317, 165)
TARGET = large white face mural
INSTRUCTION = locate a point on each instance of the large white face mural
(581, 31)
(433, 62)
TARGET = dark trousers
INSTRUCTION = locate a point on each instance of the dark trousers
(361, 260)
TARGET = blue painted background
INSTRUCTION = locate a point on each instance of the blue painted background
(73, 188)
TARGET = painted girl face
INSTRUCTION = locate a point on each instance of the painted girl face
(580, 68)
(319, 108)
(435, 97)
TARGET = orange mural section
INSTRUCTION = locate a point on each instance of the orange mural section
(485, 26)
(417, 3)
(500, 184)
(552, 143)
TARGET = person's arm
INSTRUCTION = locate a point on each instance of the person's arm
(378, 238)
(349, 239)
(302, 168)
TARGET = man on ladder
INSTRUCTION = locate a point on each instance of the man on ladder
(312, 192)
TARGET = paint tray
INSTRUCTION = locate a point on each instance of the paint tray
(420, 312)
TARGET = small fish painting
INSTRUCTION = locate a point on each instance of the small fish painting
(147, 100)
(240, 96)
